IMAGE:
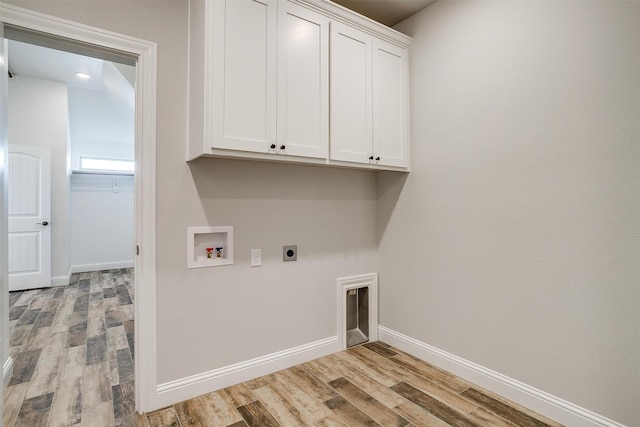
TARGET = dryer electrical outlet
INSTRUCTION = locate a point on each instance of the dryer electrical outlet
(290, 253)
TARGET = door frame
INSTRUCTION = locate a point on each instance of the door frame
(145, 178)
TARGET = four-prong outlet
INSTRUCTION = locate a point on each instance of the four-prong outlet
(290, 253)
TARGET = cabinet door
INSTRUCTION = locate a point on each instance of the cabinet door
(351, 130)
(243, 107)
(303, 82)
(390, 104)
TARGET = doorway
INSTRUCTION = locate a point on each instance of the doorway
(143, 54)
(73, 344)
(71, 163)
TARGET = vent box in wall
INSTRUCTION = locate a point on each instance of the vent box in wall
(357, 309)
(357, 316)
(209, 246)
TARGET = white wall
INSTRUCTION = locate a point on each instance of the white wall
(514, 242)
(101, 222)
(99, 126)
(38, 115)
(101, 207)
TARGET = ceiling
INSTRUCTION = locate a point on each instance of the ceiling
(44, 63)
(112, 80)
(387, 12)
(51, 64)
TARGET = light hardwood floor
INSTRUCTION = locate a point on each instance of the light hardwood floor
(73, 351)
(369, 385)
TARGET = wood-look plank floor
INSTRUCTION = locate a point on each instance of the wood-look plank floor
(73, 353)
(369, 385)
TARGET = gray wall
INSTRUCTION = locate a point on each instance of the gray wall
(514, 241)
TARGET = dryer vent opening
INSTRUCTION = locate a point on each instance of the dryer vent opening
(357, 316)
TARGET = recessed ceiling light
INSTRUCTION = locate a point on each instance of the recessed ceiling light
(82, 75)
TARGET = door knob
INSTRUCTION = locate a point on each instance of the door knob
(43, 223)
(273, 146)
(282, 147)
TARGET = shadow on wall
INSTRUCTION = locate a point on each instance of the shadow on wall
(389, 186)
(326, 211)
(244, 179)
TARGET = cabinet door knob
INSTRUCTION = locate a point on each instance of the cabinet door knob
(370, 157)
(273, 146)
(282, 147)
(378, 159)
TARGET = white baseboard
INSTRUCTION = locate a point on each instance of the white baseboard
(60, 280)
(199, 384)
(82, 268)
(7, 371)
(539, 401)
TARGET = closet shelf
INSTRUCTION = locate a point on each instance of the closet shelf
(110, 173)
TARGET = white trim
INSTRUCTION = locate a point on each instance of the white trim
(81, 268)
(530, 397)
(199, 384)
(60, 280)
(7, 371)
(145, 193)
(145, 220)
(355, 282)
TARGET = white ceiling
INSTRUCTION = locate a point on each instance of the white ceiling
(113, 81)
(388, 12)
(51, 64)
(44, 63)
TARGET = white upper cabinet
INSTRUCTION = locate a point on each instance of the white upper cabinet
(301, 81)
(243, 74)
(369, 99)
(390, 104)
(351, 94)
(232, 76)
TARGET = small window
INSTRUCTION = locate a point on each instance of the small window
(106, 165)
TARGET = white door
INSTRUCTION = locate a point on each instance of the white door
(29, 205)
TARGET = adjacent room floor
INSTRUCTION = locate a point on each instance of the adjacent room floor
(73, 351)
